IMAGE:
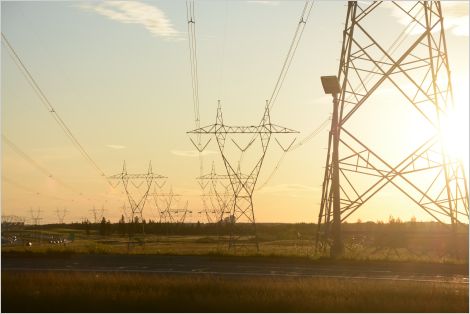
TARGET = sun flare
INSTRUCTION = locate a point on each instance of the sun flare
(454, 132)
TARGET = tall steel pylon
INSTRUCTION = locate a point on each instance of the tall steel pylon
(242, 182)
(415, 66)
(169, 212)
(35, 216)
(220, 202)
(98, 214)
(61, 215)
(137, 203)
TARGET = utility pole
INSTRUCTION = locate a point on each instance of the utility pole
(331, 86)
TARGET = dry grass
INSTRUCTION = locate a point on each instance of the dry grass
(194, 245)
(113, 292)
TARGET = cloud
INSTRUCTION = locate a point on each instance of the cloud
(135, 12)
(289, 188)
(113, 146)
(263, 2)
(192, 153)
(456, 18)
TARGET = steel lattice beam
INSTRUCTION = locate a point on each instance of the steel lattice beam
(242, 182)
(417, 67)
(137, 204)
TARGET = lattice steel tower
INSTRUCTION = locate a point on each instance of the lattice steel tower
(408, 57)
(242, 181)
(218, 193)
(137, 202)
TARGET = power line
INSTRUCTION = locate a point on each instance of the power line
(191, 19)
(291, 52)
(47, 104)
(30, 160)
(294, 147)
(27, 189)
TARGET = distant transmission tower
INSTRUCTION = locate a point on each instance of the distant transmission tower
(125, 213)
(242, 182)
(61, 215)
(98, 213)
(411, 61)
(137, 202)
(35, 216)
(216, 203)
(169, 212)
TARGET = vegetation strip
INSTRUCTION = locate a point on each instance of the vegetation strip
(113, 292)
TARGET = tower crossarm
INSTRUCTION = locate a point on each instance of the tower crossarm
(211, 176)
(263, 128)
(152, 176)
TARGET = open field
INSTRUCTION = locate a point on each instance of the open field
(113, 292)
(183, 269)
(239, 266)
(422, 242)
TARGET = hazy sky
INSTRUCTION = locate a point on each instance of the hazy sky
(118, 73)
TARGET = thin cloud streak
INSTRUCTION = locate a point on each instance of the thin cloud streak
(192, 153)
(135, 12)
(263, 2)
(456, 18)
(114, 146)
(285, 188)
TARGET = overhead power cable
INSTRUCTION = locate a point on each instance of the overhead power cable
(47, 104)
(26, 157)
(306, 139)
(27, 189)
(291, 52)
(191, 19)
(35, 164)
(284, 70)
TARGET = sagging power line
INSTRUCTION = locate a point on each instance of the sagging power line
(47, 104)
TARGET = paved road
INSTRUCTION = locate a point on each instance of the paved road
(241, 266)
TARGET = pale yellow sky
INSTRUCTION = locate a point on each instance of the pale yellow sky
(122, 84)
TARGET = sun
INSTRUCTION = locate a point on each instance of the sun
(454, 129)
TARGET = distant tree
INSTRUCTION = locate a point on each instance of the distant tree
(122, 226)
(359, 221)
(103, 226)
(229, 220)
(87, 227)
(108, 229)
(413, 219)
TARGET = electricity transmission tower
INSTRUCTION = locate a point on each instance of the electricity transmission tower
(137, 202)
(35, 216)
(411, 61)
(169, 213)
(98, 214)
(61, 215)
(242, 182)
(213, 182)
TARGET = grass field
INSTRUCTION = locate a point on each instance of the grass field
(419, 242)
(111, 292)
(205, 245)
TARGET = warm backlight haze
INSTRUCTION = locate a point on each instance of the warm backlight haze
(122, 84)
